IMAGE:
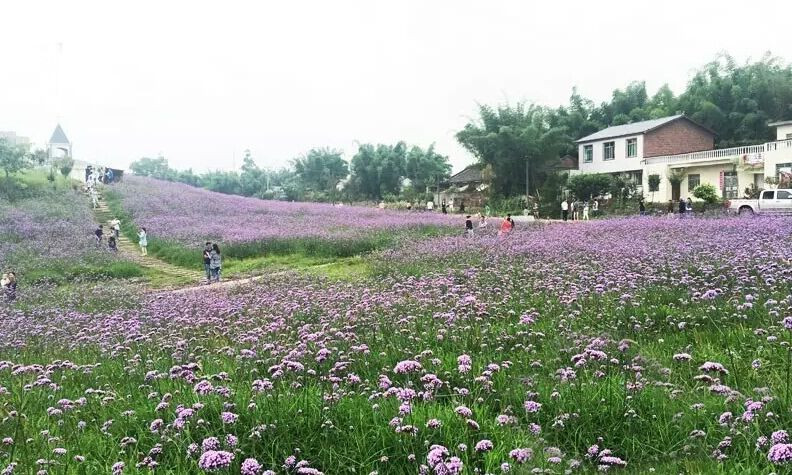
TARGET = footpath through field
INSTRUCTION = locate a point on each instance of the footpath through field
(193, 280)
(131, 251)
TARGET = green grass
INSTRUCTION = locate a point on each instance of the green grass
(251, 258)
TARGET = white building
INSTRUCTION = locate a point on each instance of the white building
(15, 140)
(58, 146)
(679, 147)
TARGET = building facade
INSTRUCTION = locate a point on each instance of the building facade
(15, 140)
(682, 154)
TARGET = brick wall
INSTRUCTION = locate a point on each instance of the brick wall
(679, 136)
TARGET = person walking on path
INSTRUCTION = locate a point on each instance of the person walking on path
(112, 246)
(143, 241)
(670, 207)
(468, 226)
(564, 210)
(689, 205)
(215, 262)
(444, 208)
(94, 196)
(99, 233)
(115, 227)
(681, 208)
(641, 208)
(585, 211)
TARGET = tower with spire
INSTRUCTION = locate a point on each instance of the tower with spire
(59, 146)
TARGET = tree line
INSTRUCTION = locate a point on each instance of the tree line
(375, 172)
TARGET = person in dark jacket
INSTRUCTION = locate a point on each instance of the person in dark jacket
(681, 208)
(207, 259)
(99, 233)
(641, 208)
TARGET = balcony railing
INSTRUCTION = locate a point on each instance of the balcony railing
(721, 153)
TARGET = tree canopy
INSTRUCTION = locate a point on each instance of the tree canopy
(321, 169)
(518, 142)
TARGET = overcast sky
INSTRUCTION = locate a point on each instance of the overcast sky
(199, 82)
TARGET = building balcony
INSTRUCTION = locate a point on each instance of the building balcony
(751, 154)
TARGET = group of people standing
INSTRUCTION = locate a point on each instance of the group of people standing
(571, 209)
(115, 232)
(9, 286)
(213, 262)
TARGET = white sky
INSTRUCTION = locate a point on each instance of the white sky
(201, 81)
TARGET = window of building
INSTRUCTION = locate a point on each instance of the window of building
(609, 150)
(632, 148)
(693, 182)
(767, 195)
(783, 168)
(588, 153)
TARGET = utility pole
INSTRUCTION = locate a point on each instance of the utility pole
(527, 179)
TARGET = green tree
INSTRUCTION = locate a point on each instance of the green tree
(426, 168)
(321, 169)
(153, 167)
(13, 158)
(377, 171)
(706, 192)
(517, 141)
(252, 179)
(65, 166)
(587, 186)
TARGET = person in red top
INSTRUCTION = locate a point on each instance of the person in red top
(506, 226)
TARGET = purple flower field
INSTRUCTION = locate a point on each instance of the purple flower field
(633, 345)
(51, 237)
(190, 215)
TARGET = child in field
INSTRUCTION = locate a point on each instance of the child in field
(585, 211)
(143, 241)
(482, 221)
(99, 233)
(468, 226)
(506, 226)
(111, 244)
(9, 286)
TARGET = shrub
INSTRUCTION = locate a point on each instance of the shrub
(589, 185)
(707, 193)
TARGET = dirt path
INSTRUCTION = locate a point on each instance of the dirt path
(131, 251)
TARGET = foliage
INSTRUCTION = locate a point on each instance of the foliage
(621, 187)
(706, 192)
(378, 170)
(675, 177)
(587, 186)
(13, 158)
(426, 168)
(64, 166)
(654, 182)
(321, 169)
(153, 167)
(519, 143)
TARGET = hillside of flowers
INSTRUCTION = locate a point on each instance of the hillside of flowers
(186, 215)
(631, 346)
(48, 236)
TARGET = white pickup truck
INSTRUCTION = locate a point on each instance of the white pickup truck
(769, 202)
